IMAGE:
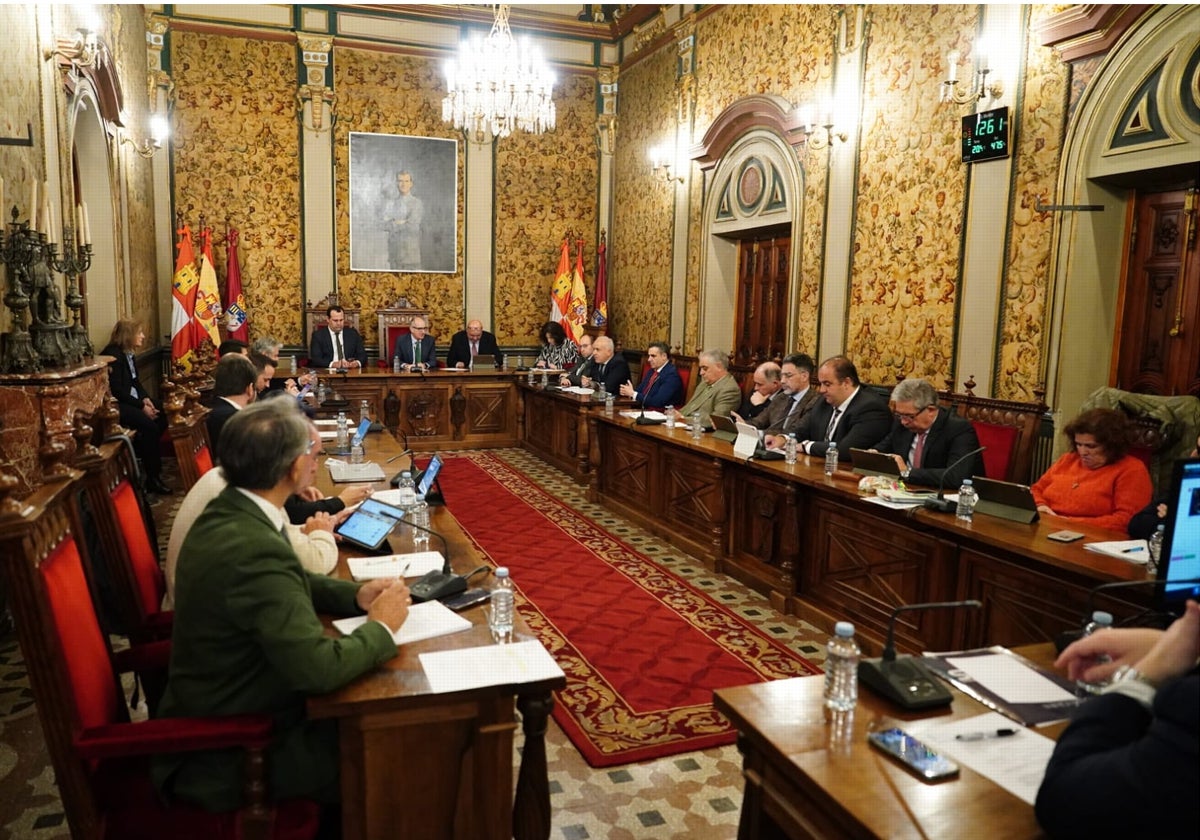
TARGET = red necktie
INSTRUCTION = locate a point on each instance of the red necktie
(650, 384)
(919, 449)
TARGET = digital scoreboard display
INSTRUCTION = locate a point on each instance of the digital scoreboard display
(985, 135)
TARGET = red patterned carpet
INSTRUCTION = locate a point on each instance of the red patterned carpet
(642, 649)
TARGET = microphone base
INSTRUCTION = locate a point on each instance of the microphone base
(904, 681)
(648, 421)
(940, 505)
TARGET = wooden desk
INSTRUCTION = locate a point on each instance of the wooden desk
(554, 426)
(419, 764)
(436, 410)
(816, 548)
(806, 777)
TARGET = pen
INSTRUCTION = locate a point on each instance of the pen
(1136, 548)
(980, 736)
(404, 571)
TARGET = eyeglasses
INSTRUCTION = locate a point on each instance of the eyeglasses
(415, 328)
(902, 415)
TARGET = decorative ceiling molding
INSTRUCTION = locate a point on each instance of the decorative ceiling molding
(1088, 28)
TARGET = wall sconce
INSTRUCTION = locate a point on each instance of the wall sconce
(660, 163)
(953, 91)
(160, 130)
(819, 135)
(81, 50)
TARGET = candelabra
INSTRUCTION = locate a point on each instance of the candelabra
(20, 246)
(76, 260)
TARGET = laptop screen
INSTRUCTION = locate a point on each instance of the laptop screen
(430, 475)
(1180, 559)
(363, 428)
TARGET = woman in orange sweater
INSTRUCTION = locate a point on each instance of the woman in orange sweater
(1098, 482)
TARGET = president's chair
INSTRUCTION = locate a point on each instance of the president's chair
(101, 760)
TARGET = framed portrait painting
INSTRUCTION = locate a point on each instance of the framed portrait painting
(403, 203)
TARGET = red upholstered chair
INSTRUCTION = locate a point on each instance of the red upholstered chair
(687, 367)
(189, 433)
(1007, 428)
(1000, 442)
(101, 759)
(128, 560)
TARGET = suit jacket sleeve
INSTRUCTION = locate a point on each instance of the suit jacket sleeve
(576, 374)
(355, 349)
(866, 421)
(320, 352)
(298, 510)
(120, 380)
(960, 438)
(460, 350)
(1120, 771)
(1146, 521)
(616, 374)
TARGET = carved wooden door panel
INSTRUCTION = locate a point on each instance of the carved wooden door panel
(1159, 335)
(763, 268)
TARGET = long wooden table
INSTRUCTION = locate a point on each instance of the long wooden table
(441, 409)
(419, 764)
(818, 549)
(553, 424)
(807, 777)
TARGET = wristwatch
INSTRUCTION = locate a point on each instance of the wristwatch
(1127, 673)
(904, 474)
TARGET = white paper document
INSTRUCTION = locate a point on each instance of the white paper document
(1010, 679)
(330, 423)
(425, 621)
(411, 565)
(460, 670)
(1016, 762)
(649, 415)
(578, 389)
(330, 435)
(388, 497)
(1135, 551)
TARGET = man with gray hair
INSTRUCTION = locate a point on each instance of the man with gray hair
(247, 639)
(609, 371)
(926, 439)
(717, 393)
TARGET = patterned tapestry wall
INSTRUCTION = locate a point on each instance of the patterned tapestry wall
(1038, 151)
(731, 64)
(543, 187)
(237, 154)
(640, 245)
(911, 188)
(384, 93)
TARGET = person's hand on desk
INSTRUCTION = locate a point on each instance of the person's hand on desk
(319, 521)
(310, 494)
(1046, 509)
(1175, 651)
(354, 494)
(385, 600)
(773, 441)
(627, 390)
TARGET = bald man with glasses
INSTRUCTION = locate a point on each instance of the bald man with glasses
(416, 350)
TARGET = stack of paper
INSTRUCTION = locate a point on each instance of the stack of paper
(1135, 551)
(425, 621)
(414, 564)
(467, 668)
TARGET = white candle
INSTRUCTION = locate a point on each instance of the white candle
(51, 216)
(33, 205)
(87, 228)
(45, 228)
(78, 225)
(952, 66)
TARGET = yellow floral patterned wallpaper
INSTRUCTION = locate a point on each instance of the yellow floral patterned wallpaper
(731, 63)
(1027, 275)
(544, 186)
(385, 93)
(909, 207)
(640, 246)
(237, 155)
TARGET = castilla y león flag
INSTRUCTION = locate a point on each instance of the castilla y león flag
(183, 303)
(235, 301)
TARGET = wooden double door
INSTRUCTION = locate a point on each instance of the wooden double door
(1159, 344)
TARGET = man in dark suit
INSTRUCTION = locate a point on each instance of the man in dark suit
(784, 414)
(767, 384)
(466, 344)
(247, 638)
(609, 370)
(662, 385)
(337, 345)
(853, 416)
(926, 439)
(233, 387)
(584, 367)
(416, 350)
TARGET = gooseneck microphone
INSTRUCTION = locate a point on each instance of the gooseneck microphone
(941, 503)
(905, 680)
(445, 545)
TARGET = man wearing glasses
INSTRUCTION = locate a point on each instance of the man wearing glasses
(925, 438)
(416, 350)
(796, 399)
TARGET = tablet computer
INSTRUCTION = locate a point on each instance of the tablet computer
(429, 476)
(1005, 499)
(1179, 564)
(484, 360)
(724, 428)
(369, 525)
(364, 426)
(873, 463)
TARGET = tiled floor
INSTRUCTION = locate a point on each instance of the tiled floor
(695, 796)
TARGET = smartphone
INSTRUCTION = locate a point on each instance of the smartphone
(914, 755)
(1065, 536)
(467, 599)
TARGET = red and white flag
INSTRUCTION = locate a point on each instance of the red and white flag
(560, 289)
(577, 308)
(183, 302)
(235, 301)
(208, 296)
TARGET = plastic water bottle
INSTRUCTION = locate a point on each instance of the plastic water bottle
(967, 497)
(364, 411)
(601, 393)
(841, 669)
(529, 377)
(1154, 546)
(419, 515)
(407, 490)
(343, 431)
(500, 619)
(697, 426)
(1100, 620)
(320, 391)
(670, 412)
(831, 458)
(545, 377)
(395, 364)
(356, 450)
(790, 446)
(293, 364)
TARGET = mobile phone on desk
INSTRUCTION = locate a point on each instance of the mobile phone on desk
(913, 754)
(467, 599)
(1065, 536)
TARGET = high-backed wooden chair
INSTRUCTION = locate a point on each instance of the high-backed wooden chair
(101, 759)
(128, 558)
(394, 322)
(189, 434)
(1008, 429)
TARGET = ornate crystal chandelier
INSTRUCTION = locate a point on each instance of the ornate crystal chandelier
(498, 84)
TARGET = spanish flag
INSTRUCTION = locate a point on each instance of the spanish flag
(560, 291)
(208, 296)
(183, 303)
(577, 308)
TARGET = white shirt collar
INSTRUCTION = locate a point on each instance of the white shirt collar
(272, 513)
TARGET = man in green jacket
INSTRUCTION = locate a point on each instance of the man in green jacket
(717, 393)
(246, 637)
